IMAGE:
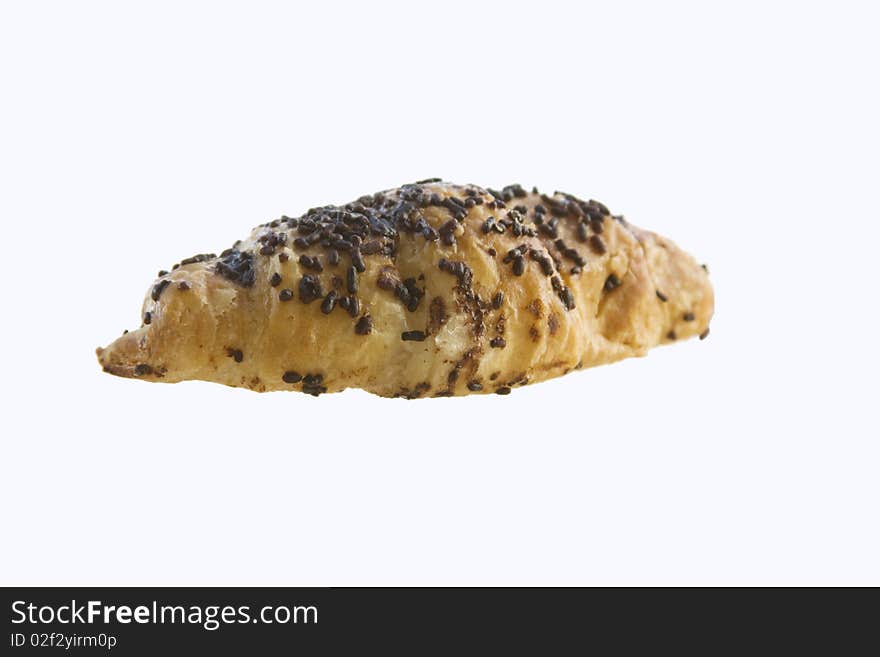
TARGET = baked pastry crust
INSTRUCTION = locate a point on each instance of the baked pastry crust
(431, 289)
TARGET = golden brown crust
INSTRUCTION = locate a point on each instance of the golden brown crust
(462, 290)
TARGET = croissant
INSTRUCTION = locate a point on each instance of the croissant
(431, 289)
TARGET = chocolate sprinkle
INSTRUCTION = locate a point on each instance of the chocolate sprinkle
(142, 368)
(275, 280)
(312, 384)
(329, 302)
(460, 270)
(364, 325)
(542, 259)
(447, 232)
(309, 288)
(413, 336)
(291, 376)
(235, 354)
(285, 294)
(662, 296)
(567, 298)
(412, 296)
(612, 283)
(503, 390)
(309, 262)
(351, 279)
(201, 257)
(704, 334)
(358, 260)
(688, 317)
(158, 288)
(237, 266)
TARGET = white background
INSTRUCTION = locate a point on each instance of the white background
(135, 135)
